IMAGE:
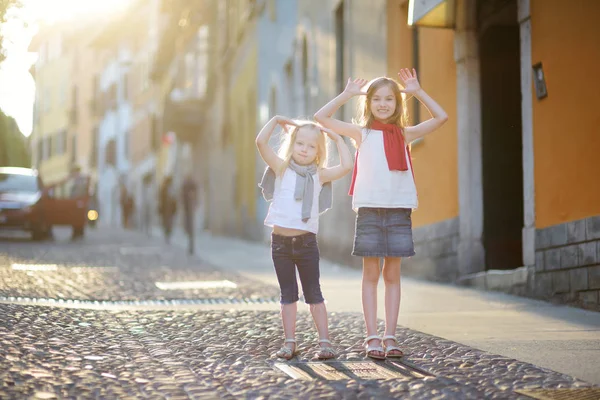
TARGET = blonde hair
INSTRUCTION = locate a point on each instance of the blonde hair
(365, 116)
(289, 138)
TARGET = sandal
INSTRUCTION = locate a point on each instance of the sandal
(371, 349)
(285, 352)
(389, 348)
(326, 352)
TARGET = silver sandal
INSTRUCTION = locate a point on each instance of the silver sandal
(326, 352)
(285, 352)
(370, 349)
(390, 348)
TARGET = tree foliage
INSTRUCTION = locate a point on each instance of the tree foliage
(13, 145)
(4, 6)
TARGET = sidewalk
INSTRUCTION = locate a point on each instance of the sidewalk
(560, 338)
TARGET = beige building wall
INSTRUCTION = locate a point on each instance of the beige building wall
(53, 102)
(86, 65)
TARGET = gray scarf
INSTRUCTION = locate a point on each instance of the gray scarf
(304, 188)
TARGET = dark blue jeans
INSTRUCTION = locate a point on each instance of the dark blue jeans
(302, 252)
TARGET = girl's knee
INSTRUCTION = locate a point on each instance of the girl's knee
(391, 276)
(371, 274)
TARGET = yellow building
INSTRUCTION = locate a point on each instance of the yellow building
(508, 190)
(52, 71)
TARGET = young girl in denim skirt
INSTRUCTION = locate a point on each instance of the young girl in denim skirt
(383, 189)
(298, 185)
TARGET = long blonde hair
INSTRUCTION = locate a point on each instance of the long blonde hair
(289, 138)
(365, 116)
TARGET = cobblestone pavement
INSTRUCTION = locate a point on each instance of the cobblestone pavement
(113, 266)
(204, 353)
(47, 351)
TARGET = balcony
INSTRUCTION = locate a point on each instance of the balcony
(73, 115)
(185, 117)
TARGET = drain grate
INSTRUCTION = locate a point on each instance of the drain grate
(344, 370)
(592, 393)
(171, 302)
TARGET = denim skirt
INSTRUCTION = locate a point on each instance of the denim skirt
(383, 232)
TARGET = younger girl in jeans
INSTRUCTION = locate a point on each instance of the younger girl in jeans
(299, 188)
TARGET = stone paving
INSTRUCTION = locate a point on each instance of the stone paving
(203, 352)
(71, 353)
(122, 266)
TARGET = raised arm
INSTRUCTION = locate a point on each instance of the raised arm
(439, 116)
(345, 165)
(325, 115)
(262, 141)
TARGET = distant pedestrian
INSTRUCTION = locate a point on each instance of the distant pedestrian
(299, 188)
(189, 197)
(383, 189)
(167, 207)
(125, 205)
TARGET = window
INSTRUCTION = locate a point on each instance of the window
(60, 143)
(272, 7)
(48, 147)
(272, 103)
(289, 79)
(305, 81)
(339, 47)
(94, 149)
(340, 52)
(18, 183)
(74, 148)
(40, 151)
(126, 146)
(126, 86)
(202, 61)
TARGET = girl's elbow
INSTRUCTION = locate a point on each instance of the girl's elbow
(444, 118)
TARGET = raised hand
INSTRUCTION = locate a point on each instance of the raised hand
(353, 87)
(409, 81)
(285, 123)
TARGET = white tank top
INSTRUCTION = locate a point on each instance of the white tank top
(286, 211)
(376, 185)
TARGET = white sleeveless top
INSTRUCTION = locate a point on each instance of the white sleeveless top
(376, 185)
(285, 211)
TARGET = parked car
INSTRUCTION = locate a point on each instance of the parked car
(27, 204)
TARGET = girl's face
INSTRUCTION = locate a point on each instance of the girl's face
(383, 103)
(306, 146)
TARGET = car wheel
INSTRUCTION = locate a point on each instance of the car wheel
(78, 231)
(41, 232)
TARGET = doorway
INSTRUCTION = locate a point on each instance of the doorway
(501, 133)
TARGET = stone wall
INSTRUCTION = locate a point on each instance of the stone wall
(436, 248)
(567, 263)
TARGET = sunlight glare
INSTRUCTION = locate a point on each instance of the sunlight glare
(60, 10)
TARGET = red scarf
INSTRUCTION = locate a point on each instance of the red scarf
(393, 145)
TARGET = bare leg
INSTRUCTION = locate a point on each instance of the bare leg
(288, 317)
(319, 314)
(391, 278)
(369, 297)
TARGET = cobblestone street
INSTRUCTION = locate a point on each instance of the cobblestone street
(221, 345)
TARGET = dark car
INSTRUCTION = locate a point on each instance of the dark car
(26, 204)
(21, 202)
